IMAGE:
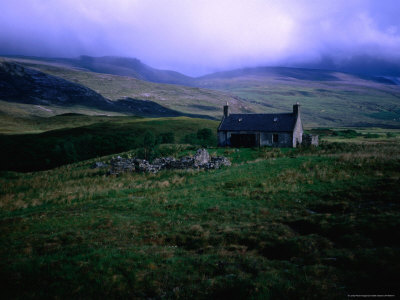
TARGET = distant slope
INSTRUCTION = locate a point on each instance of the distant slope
(25, 85)
(129, 67)
(89, 137)
(185, 99)
(296, 73)
(29, 86)
(367, 65)
(122, 66)
(328, 98)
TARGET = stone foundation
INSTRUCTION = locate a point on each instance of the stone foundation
(201, 160)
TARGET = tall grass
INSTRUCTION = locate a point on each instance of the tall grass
(292, 223)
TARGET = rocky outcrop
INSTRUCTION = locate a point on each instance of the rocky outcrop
(27, 85)
(201, 160)
(99, 165)
(202, 157)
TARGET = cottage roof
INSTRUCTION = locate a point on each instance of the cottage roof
(259, 122)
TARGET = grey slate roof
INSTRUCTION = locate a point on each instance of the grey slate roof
(258, 122)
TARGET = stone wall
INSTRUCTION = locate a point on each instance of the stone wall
(201, 160)
(310, 140)
(222, 139)
(284, 139)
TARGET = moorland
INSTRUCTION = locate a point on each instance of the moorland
(303, 223)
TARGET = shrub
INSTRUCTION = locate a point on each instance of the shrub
(204, 134)
(204, 137)
(148, 153)
(149, 140)
(371, 135)
(191, 139)
(166, 138)
(390, 135)
(349, 133)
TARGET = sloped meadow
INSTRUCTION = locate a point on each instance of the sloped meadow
(310, 223)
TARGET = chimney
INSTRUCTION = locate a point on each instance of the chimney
(296, 109)
(226, 110)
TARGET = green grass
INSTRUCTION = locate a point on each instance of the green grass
(310, 223)
(357, 135)
(97, 137)
(16, 118)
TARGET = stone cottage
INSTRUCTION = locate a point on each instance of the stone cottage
(253, 130)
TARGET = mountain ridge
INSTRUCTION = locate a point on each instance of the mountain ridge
(134, 67)
(328, 98)
(28, 86)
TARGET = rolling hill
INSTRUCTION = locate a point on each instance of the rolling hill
(328, 98)
(132, 67)
(122, 66)
(28, 86)
(184, 100)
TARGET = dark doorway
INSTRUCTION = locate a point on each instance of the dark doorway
(243, 140)
(275, 138)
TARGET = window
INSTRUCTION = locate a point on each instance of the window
(275, 138)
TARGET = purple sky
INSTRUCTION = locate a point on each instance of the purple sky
(196, 37)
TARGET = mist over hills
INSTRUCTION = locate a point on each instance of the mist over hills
(365, 67)
(132, 67)
(122, 66)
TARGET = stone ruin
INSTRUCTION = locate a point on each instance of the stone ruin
(310, 140)
(201, 160)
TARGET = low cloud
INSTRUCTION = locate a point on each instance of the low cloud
(196, 37)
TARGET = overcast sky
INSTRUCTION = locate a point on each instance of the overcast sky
(196, 37)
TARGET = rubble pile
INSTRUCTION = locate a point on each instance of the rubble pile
(201, 160)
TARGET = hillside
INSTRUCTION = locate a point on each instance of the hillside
(25, 85)
(299, 224)
(68, 138)
(183, 99)
(328, 98)
(122, 66)
(132, 67)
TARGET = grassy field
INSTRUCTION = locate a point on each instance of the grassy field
(71, 138)
(16, 118)
(278, 224)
